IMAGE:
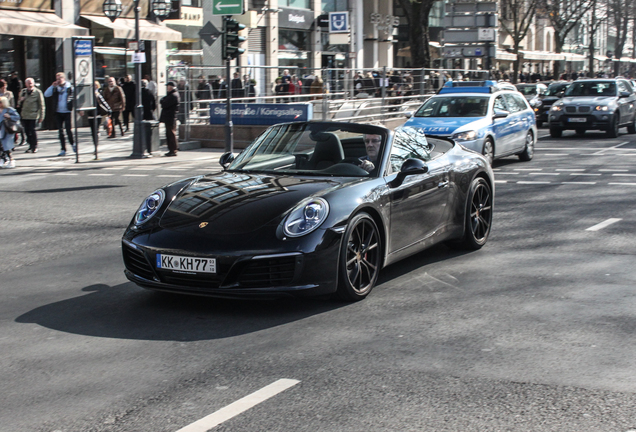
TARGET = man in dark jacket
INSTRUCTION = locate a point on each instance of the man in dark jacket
(169, 109)
(148, 101)
(129, 87)
(204, 92)
(237, 87)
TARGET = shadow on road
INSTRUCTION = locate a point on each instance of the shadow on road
(126, 311)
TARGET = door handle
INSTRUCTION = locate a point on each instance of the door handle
(443, 184)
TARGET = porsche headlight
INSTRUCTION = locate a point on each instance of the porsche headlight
(465, 136)
(150, 206)
(601, 108)
(306, 217)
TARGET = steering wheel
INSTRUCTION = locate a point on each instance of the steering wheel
(352, 160)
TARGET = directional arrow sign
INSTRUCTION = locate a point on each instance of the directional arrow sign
(227, 7)
(209, 33)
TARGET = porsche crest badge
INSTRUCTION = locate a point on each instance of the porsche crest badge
(203, 224)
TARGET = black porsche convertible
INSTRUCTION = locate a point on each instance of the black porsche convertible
(310, 208)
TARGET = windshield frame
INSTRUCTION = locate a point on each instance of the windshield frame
(453, 99)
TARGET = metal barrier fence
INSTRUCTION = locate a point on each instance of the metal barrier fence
(365, 95)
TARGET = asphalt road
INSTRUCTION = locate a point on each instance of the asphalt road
(532, 333)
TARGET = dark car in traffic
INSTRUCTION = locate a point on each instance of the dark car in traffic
(542, 103)
(308, 209)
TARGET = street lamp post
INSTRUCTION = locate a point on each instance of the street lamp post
(113, 9)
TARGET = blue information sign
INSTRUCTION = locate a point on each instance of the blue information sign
(83, 48)
(261, 114)
(338, 22)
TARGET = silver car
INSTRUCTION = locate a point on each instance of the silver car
(595, 104)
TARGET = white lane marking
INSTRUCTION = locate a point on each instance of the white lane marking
(585, 174)
(65, 174)
(501, 181)
(528, 169)
(623, 175)
(102, 175)
(556, 154)
(507, 172)
(570, 169)
(581, 183)
(115, 168)
(540, 173)
(603, 224)
(532, 182)
(171, 175)
(621, 144)
(623, 184)
(240, 406)
(135, 175)
(148, 168)
(613, 170)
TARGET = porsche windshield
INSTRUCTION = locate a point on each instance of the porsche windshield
(591, 88)
(348, 150)
(454, 106)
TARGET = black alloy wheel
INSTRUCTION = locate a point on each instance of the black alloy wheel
(360, 258)
(528, 152)
(489, 150)
(612, 132)
(478, 214)
(556, 132)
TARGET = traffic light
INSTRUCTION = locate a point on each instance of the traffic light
(231, 38)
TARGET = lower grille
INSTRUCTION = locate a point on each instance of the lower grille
(137, 263)
(268, 272)
(192, 281)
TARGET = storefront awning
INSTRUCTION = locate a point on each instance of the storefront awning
(124, 28)
(505, 55)
(541, 55)
(37, 24)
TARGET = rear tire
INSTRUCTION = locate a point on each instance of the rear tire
(528, 151)
(360, 258)
(631, 128)
(478, 215)
(556, 132)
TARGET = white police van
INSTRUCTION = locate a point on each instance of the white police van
(494, 120)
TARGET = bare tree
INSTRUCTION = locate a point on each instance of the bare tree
(564, 15)
(620, 14)
(515, 18)
(598, 16)
(417, 13)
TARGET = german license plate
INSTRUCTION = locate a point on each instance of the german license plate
(186, 264)
(577, 120)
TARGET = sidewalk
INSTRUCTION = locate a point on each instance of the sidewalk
(110, 151)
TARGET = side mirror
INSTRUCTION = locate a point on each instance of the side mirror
(408, 114)
(226, 159)
(409, 167)
(500, 114)
(624, 94)
(561, 93)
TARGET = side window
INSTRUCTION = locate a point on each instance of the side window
(408, 143)
(621, 86)
(513, 107)
(521, 101)
(500, 104)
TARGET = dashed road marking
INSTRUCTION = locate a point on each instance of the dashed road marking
(532, 182)
(603, 224)
(240, 406)
(570, 169)
(135, 175)
(101, 175)
(170, 175)
(544, 173)
(613, 170)
(586, 174)
(623, 175)
(579, 183)
(528, 169)
(623, 184)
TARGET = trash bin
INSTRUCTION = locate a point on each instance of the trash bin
(150, 135)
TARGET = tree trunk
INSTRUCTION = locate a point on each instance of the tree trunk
(558, 48)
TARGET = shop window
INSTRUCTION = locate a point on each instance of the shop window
(298, 4)
(334, 5)
(7, 55)
(33, 59)
(191, 3)
(293, 40)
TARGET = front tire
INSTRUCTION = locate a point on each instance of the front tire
(612, 132)
(478, 215)
(360, 258)
(489, 150)
(528, 152)
(556, 132)
(631, 128)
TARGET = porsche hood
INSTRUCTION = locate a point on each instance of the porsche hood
(232, 202)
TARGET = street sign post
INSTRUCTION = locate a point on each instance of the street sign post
(83, 81)
(338, 22)
(228, 7)
(209, 33)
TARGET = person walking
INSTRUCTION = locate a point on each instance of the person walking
(62, 91)
(204, 92)
(129, 87)
(95, 117)
(169, 109)
(116, 100)
(7, 138)
(236, 86)
(15, 84)
(5, 92)
(32, 110)
(152, 86)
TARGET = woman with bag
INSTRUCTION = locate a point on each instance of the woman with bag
(103, 111)
(8, 127)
